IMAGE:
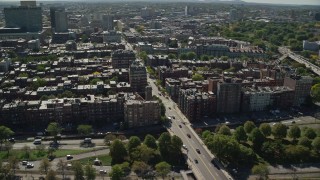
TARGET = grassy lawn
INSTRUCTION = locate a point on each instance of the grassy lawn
(105, 159)
(36, 155)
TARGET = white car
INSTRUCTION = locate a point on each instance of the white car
(184, 147)
(30, 165)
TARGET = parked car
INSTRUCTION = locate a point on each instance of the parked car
(198, 151)
(196, 161)
(30, 165)
(24, 163)
(69, 157)
(188, 135)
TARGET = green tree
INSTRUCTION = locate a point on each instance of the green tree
(225, 130)
(141, 168)
(240, 134)
(150, 141)
(315, 92)
(164, 143)
(61, 167)
(67, 94)
(224, 147)
(316, 144)
(172, 56)
(297, 154)
(279, 131)
(117, 172)
(23, 75)
(77, 170)
(8, 147)
(192, 55)
(249, 126)
(265, 128)
(304, 141)
(95, 81)
(261, 170)
(142, 153)
(176, 142)
(183, 56)
(205, 58)
(309, 133)
(143, 55)
(90, 172)
(197, 77)
(108, 138)
(54, 129)
(118, 152)
(257, 138)
(163, 169)
(206, 134)
(294, 132)
(51, 175)
(84, 129)
(27, 152)
(13, 164)
(45, 165)
(5, 133)
(134, 141)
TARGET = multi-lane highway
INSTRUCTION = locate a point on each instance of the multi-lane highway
(299, 59)
(199, 160)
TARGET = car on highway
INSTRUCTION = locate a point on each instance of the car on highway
(198, 151)
(215, 164)
(173, 117)
(30, 165)
(188, 135)
(184, 147)
(69, 157)
(196, 161)
(170, 108)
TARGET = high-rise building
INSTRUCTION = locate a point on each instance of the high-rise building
(27, 17)
(148, 93)
(139, 113)
(138, 78)
(107, 22)
(28, 3)
(122, 58)
(301, 86)
(196, 105)
(59, 22)
(228, 96)
(147, 13)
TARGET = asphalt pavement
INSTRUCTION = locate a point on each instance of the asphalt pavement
(199, 161)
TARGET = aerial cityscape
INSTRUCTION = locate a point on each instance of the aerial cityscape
(182, 89)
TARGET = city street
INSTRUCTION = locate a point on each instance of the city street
(180, 126)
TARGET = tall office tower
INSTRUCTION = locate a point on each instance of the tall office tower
(61, 21)
(147, 13)
(186, 11)
(138, 78)
(28, 3)
(228, 96)
(233, 15)
(107, 22)
(27, 17)
(122, 58)
(148, 93)
(60, 18)
(301, 86)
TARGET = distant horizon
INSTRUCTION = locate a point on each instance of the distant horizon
(275, 2)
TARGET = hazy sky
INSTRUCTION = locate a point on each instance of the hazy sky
(311, 2)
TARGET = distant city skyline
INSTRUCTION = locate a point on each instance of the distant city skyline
(305, 2)
(298, 2)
